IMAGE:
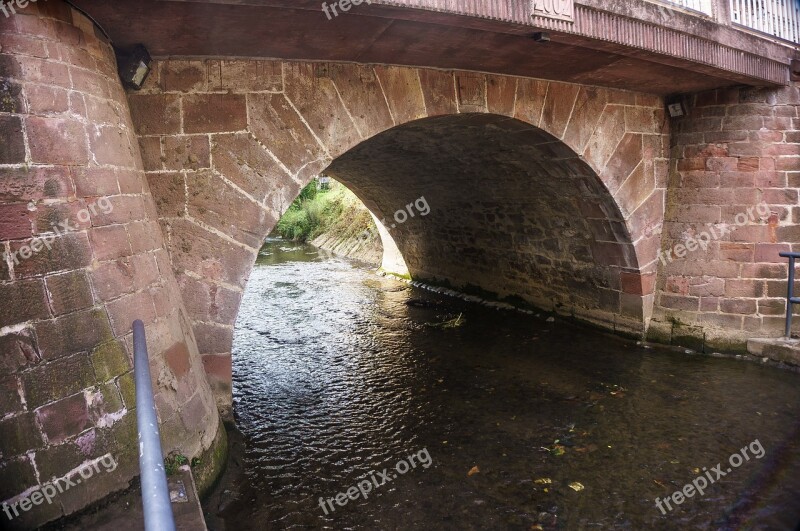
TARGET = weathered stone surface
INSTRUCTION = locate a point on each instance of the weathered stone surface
(10, 395)
(63, 419)
(110, 360)
(20, 476)
(186, 153)
(327, 108)
(155, 114)
(721, 151)
(69, 292)
(12, 147)
(219, 205)
(558, 108)
(363, 97)
(471, 91)
(18, 349)
(438, 91)
(501, 94)
(18, 435)
(279, 128)
(57, 141)
(22, 301)
(214, 113)
(244, 161)
(58, 378)
(530, 100)
(403, 92)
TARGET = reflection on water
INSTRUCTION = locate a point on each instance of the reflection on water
(337, 374)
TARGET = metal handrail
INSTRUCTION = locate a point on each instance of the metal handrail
(155, 492)
(790, 298)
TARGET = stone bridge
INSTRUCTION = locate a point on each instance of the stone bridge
(553, 172)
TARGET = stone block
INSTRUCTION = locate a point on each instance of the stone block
(18, 474)
(57, 141)
(65, 418)
(12, 141)
(76, 332)
(57, 379)
(125, 310)
(69, 292)
(109, 243)
(155, 114)
(18, 435)
(110, 360)
(186, 153)
(10, 395)
(22, 301)
(214, 113)
(183, 76)
(558, 106)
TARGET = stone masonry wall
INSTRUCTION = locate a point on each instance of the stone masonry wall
(736, 148)
(228, 143)
(68, 154)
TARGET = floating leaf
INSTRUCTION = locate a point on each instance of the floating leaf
(544, 481)
(577, 487)
(472, 471)
(557, 450)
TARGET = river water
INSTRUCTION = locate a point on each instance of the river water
(513, 422)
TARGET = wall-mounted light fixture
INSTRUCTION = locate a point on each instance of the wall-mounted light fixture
(134, 67)
(676, 107)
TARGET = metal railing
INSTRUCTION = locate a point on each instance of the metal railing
(790, 298)
(779, 18)
(702, 6)
(155, 492)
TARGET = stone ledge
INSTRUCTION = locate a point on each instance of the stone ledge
(778, 349)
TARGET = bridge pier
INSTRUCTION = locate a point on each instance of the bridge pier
(152, 205)
(82, 257)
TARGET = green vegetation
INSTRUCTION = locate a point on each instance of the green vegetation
(315, 212)
(173, 462)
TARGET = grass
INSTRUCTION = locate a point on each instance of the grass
(315, 212)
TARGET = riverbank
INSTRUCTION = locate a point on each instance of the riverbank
(334, 220)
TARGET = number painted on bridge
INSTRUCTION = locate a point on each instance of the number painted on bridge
(557, 9)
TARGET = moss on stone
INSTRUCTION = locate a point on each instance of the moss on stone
(208, 466)
(127, 388)
(109, 361)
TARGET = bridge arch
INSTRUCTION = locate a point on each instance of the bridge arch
(228, 144)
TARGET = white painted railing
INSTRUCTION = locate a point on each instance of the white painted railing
(780, 18)
(703, 6)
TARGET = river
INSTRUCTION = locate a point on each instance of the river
(510, 421)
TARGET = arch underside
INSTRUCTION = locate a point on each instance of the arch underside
(513, 211)
(547, 191)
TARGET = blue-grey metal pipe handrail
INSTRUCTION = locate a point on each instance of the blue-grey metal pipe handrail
(155, 492)
(790, 298)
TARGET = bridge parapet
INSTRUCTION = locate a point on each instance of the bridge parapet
(657, 46)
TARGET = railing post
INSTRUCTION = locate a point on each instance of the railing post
(722, 12)
(155, 492)
(790, 298)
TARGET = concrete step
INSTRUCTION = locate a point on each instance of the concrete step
(125, 513)
(776, 348)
